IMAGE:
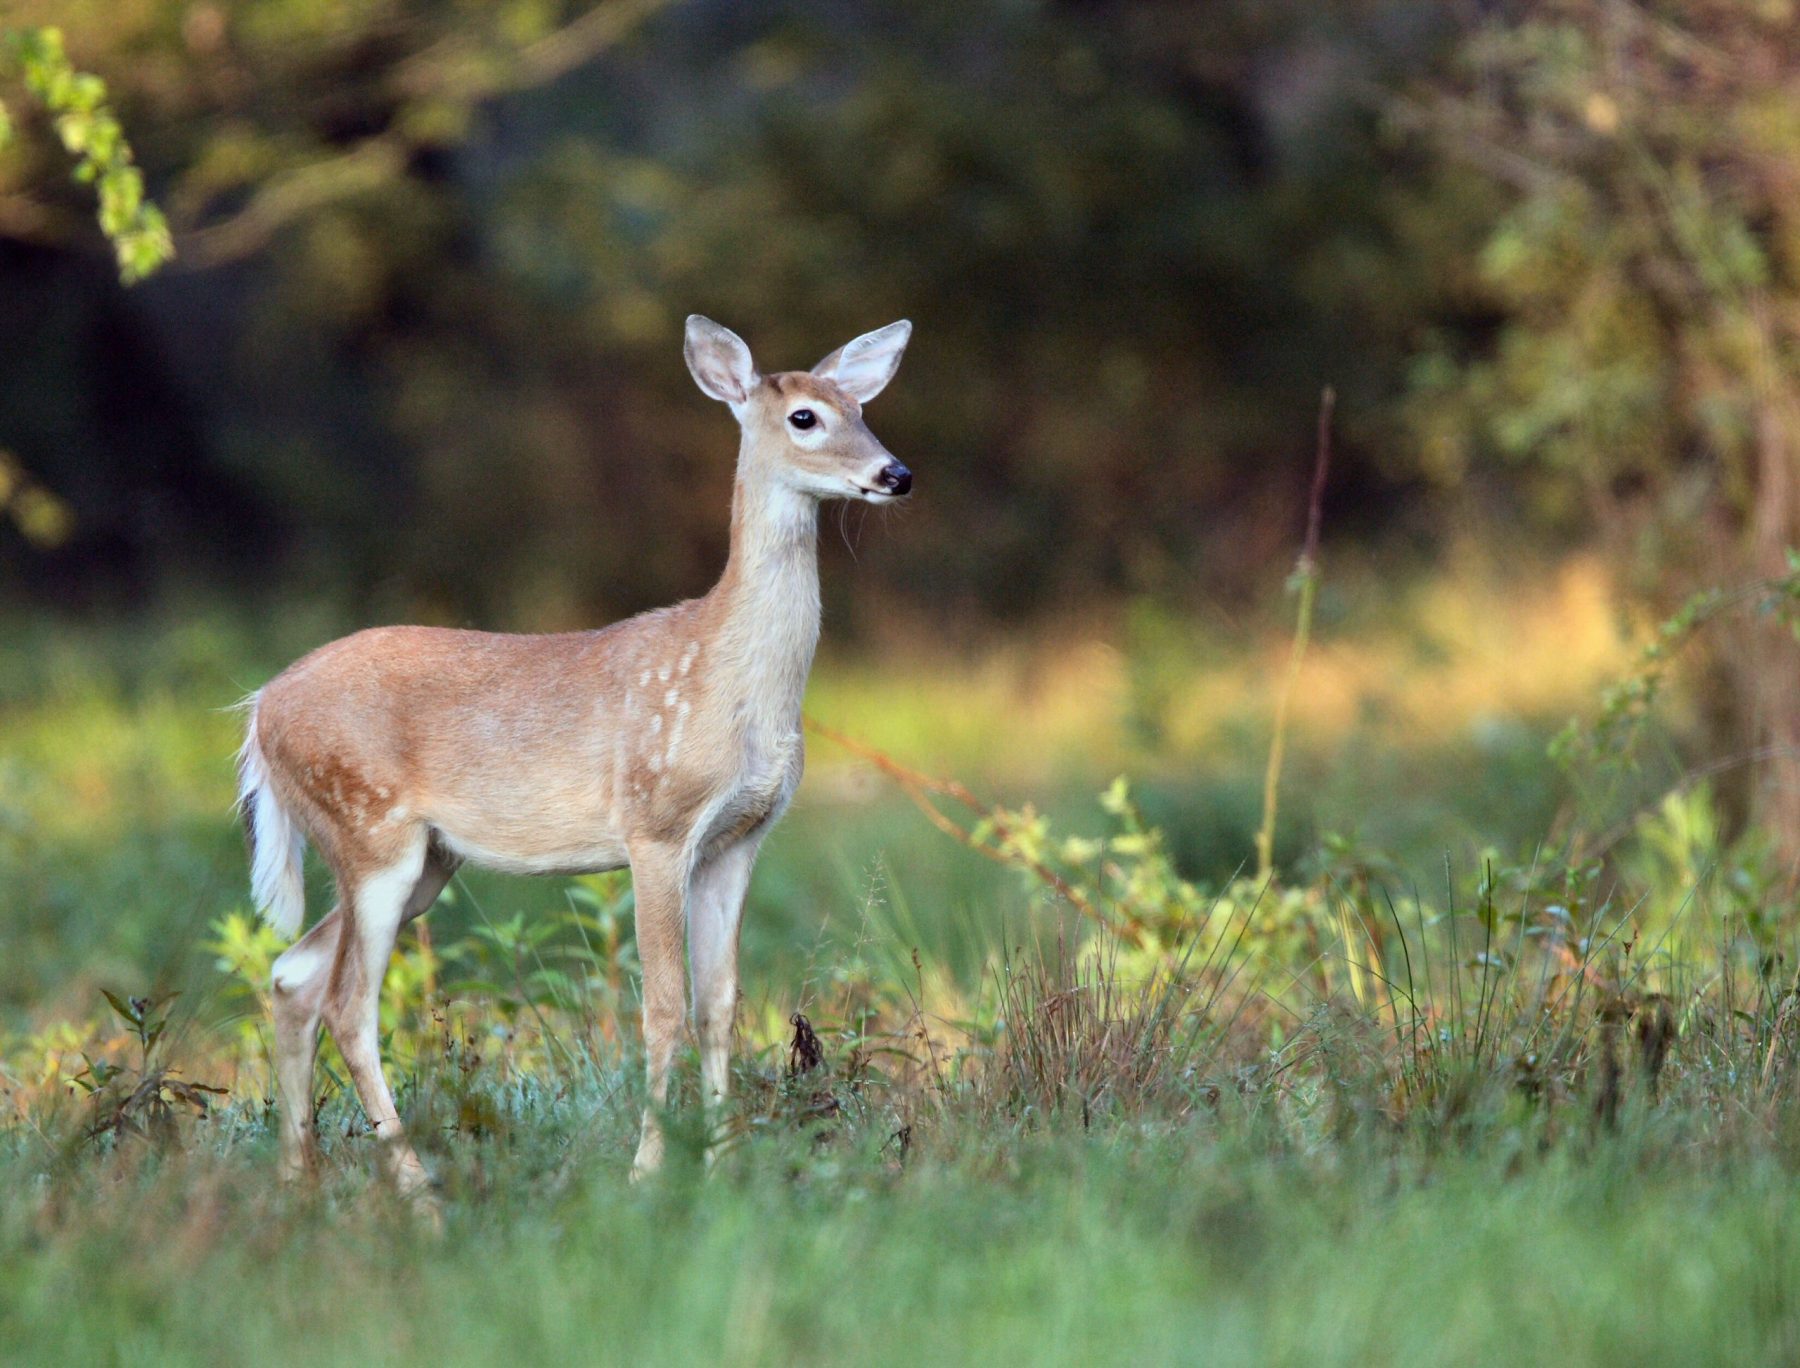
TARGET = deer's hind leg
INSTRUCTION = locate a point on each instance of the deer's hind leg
(297, 991)
(298, 984)
(378, 894)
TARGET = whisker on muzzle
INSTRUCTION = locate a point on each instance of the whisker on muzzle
(844, 527)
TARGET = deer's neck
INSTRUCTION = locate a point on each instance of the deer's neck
(768, 601)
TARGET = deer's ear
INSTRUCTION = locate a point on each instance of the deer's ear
(718, 360)
(863, 368)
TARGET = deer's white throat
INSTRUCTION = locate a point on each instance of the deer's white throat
(771, 593)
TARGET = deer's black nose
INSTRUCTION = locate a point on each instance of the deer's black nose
(895, 478)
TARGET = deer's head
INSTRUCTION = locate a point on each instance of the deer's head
(805, 429)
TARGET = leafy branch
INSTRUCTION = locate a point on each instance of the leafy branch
(1607, 746)
(1625, 706)
(90, 133)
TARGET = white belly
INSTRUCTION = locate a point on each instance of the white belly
(603, 853)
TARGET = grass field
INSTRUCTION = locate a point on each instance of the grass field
(1438, 1093)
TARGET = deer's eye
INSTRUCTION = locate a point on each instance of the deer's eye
(803, 418)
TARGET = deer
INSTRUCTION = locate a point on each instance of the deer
(668, 743)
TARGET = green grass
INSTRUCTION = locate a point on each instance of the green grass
(1205, 1244)
(1409, 1165)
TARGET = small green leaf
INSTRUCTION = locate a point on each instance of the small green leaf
(130, 1017)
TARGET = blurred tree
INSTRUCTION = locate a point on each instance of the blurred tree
(1646, 278)
(326, 123)
(435, 258)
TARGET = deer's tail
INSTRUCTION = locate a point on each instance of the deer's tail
(276, 842)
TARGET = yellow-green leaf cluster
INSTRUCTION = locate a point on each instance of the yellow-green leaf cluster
(91, 134)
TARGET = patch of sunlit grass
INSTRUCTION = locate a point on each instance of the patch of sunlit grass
(1438, 660)
(1465, 653)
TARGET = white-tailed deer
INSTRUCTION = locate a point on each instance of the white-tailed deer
(669, 742)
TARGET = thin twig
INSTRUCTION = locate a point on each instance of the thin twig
(919, 787)
(1306, 580)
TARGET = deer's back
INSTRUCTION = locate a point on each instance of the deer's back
(508, 740)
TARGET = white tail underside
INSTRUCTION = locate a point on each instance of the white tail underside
(276, 882)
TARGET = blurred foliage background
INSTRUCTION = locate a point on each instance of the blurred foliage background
(417, 355)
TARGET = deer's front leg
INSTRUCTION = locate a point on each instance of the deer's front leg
(659, 879)
(715, 911)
